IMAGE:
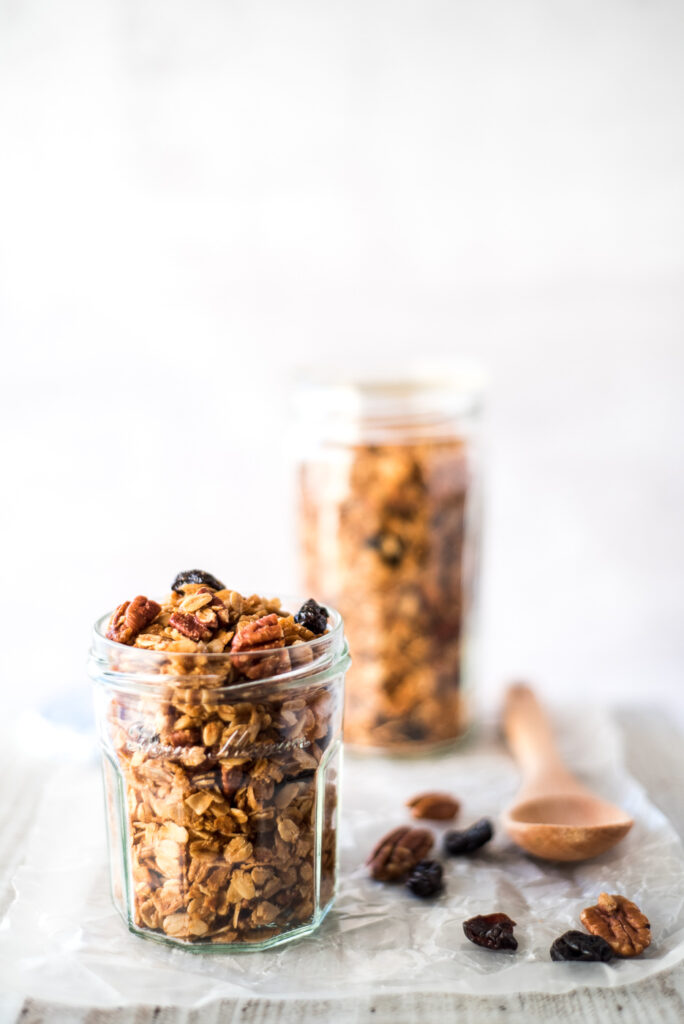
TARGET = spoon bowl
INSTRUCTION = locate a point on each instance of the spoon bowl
(553, 816)
(566, 827)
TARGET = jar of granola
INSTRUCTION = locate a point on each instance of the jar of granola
(220, 719)
(389, 517)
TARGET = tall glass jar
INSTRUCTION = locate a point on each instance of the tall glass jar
(221, 796)
(389, 522)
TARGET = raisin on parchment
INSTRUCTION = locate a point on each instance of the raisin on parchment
(470, 839)
(575, 945)
(425, 880)
(493, 931)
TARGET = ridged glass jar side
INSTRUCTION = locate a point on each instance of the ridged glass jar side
(221, 801)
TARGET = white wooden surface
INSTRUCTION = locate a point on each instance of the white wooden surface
(655, 754)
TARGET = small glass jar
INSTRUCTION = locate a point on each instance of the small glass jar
(221, 798)
(389, 522)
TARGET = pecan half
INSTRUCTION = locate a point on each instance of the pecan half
(189, 625)
(184, 737)
(436, 806)
(253, 637)
(264, 632)
(141, 612)
(231, 780)
(131, 618)
(200, 614)
(399, 851)
(620, 922)
(118, 630)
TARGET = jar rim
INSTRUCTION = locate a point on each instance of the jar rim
(426, 398)
(330, 651)
(427, 376)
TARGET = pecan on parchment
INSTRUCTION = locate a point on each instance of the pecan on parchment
(131, 618)
(399, 851)
(620, 922)
(436, 806)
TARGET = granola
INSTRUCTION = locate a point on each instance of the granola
(229, 780)
(383, 533)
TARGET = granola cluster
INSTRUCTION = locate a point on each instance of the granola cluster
(383, 530)
(230, 788)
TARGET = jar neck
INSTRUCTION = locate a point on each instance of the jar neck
(141, 670)
(389, 412)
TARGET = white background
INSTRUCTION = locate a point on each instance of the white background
(196, 197)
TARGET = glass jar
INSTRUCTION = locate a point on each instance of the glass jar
(389, 518)
(221, 799)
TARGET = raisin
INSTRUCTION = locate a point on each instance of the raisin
(425, 879)
(313, 616)
(389, 546)
(493, 931)
(470, 839)
(580, 946)
(415, 730)
(196, 576)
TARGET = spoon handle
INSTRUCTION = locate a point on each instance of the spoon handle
(530, 737)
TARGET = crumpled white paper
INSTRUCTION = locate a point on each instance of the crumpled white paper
(63, 941)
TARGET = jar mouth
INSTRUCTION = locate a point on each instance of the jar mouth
(428, 399)
(141, 669)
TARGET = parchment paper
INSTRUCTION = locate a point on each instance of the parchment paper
(62, 940)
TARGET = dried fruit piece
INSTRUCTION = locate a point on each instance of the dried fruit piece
(389, 546)
(425, 879)
(313, 616)
(580, 946)
(620, 922)
(131, 618)
(196, 576)
(399, 851)
(469, 839)
(493, 931)
(436, 806)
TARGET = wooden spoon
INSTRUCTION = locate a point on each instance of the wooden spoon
(553, 816)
